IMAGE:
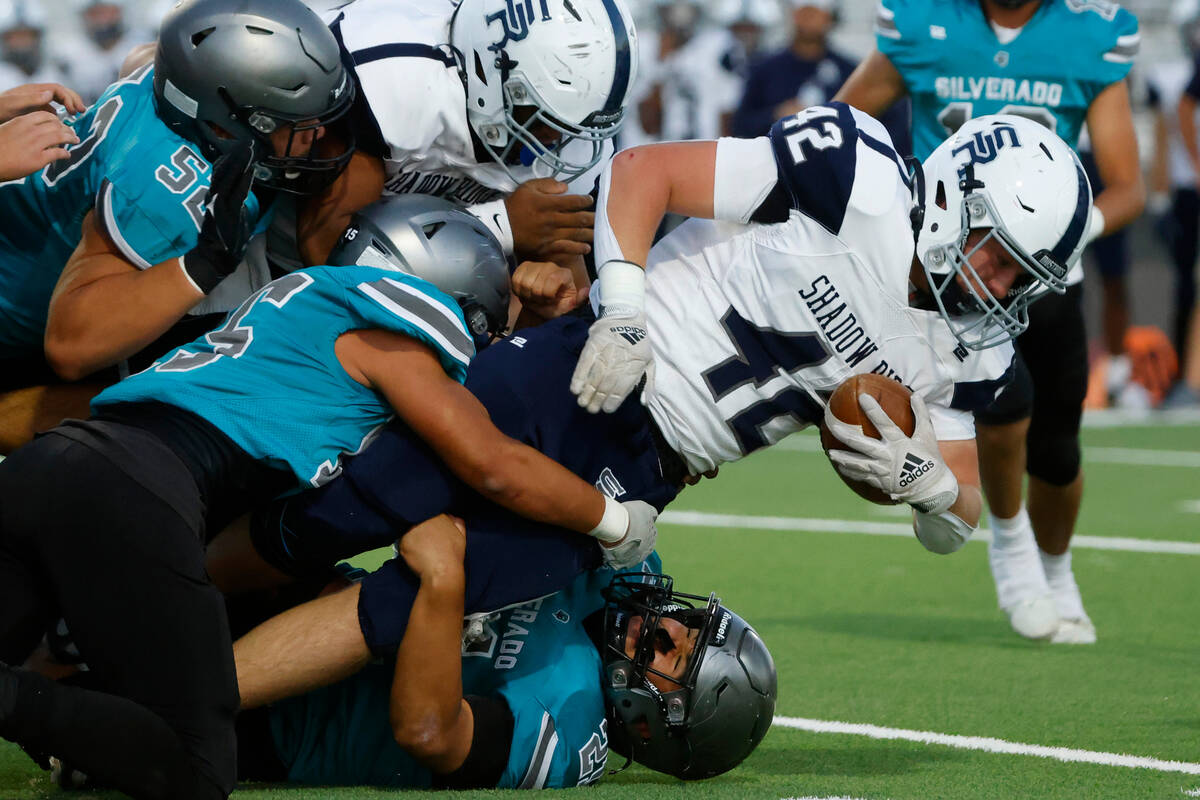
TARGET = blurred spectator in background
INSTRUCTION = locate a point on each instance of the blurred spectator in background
(681, 86)
(745, 24)
(805, 73)
(93, 59)
(22, 34)
(1173, 171)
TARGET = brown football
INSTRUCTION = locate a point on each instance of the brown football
(896, 401)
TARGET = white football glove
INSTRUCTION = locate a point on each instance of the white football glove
(907, 469)
(639, 539)
(613, 361)
(617, 352)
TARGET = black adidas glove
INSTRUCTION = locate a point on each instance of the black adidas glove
(227, 224)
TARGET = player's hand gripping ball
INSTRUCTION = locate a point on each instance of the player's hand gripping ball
(895, 399)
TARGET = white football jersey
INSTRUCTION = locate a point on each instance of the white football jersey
(407, 73)
(753, 324)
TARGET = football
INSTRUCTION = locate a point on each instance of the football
(896, 401)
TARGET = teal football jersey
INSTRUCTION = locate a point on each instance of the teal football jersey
(536, 656)
(955, 68)
(147, 184)
(269, 377)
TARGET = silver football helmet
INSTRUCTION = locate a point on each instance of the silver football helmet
(698, 724)
(436, 241)
(228, 70)
(554, 67)
(1017, 180)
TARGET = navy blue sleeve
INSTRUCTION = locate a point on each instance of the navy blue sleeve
(816, 154)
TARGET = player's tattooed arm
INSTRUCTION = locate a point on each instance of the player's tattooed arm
(429, 717)
(322, 218)
(874, 85)
(1114, 145)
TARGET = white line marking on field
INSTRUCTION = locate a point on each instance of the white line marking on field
(1126, 456)
(702, 519)
(989, 745)
(1191, 792)
(1189, 506)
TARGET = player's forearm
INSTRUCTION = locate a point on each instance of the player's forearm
(427, 708)
(95, 323)
(526, 482)
(1121, 204)
(874, 85)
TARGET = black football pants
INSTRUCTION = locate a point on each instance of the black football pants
(81, 539)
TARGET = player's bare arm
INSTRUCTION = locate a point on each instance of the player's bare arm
(456, 425)
(873, 86)
(105, 309)
(1114, 144)
(1186, 113)
(429, 717)
(323, 217)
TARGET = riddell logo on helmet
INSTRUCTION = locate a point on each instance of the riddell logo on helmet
(722, 630)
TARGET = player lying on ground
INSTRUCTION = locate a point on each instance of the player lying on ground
(750, 326)
(104, 521)
(535, 699)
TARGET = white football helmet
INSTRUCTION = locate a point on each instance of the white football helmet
(1018, 180)
(563, 64)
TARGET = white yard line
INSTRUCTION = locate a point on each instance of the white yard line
(989, 745)
(701, 519)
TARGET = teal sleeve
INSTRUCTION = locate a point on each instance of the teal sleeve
(896, 25)
(418, 309)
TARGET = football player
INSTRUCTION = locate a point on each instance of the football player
(125, 225)
(534, 699)
(750, 322)
(489, 104)
(307, 369)
(959, 59)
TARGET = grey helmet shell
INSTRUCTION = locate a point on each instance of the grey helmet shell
(722, 709)
(248, 67)
(434, 240)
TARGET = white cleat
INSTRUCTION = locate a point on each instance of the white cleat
(1075, 631)
(1021, 588)
(1035, 617)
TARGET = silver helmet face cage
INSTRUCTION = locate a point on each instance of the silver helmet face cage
(517, 144)
(977, 319)
(637, 701)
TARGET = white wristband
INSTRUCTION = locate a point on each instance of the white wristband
(614, 524)
(622, 286)
(942, 533)
(495, 216)
(1095, 224)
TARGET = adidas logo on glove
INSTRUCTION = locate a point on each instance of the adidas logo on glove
(913, 469)
(630, 333)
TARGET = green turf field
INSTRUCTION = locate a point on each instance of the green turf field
(871, 630)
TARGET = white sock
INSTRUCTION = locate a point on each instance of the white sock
(1014, 562)
(1062, 583)
(1012, 531)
